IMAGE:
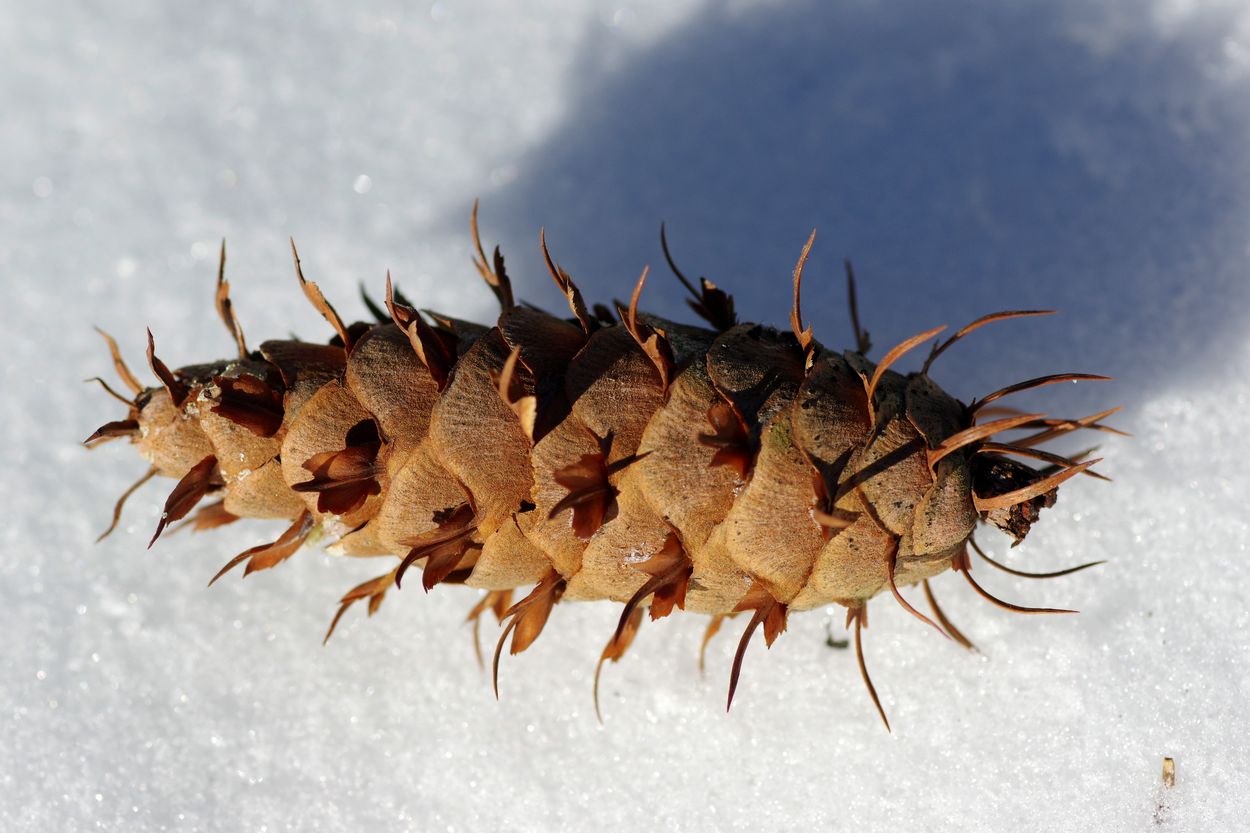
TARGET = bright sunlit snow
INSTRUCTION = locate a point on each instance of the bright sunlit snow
(1091, 157)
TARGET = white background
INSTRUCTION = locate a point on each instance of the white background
(1090, 157)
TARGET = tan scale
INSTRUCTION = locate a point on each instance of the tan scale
(478, 438)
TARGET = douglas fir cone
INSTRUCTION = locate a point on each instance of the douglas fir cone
(721, 470)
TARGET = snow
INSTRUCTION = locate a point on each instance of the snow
(969, 156)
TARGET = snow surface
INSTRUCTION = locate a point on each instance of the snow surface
(970, 156)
